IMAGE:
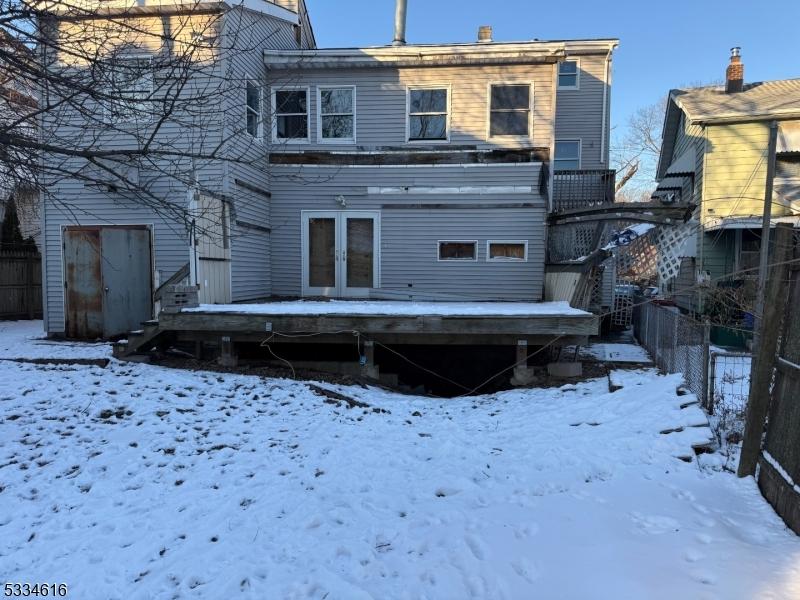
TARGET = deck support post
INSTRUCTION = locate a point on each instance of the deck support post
(368, 367)
(227, 353)
(523, 374)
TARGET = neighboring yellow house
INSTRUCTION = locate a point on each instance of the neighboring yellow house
(714, 155)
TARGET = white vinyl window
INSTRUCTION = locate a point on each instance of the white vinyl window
(129, 87)
(458, 250)
(428, 114)
(291, 115)
(506, 250)
(569, 75)
(568, 155)
(510, 109)
(337, 114)
(253, 109)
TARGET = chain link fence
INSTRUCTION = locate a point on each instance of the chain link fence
(677, 344)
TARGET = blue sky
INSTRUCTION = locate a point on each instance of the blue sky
(662, 44)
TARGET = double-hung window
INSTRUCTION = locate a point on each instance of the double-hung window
(291, 115)
(337, 114)
(567, 156)
(510, 110)
(129, 88)
(428, 114)
(568, 75)
(253, 108)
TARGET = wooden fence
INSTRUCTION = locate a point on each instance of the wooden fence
(20, 284)
(779, 471)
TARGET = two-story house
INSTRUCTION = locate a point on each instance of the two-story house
(423, 171)
(410, 172)
(715, 155)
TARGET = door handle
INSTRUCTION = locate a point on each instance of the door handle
(106, 288)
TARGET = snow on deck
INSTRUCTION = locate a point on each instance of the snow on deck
(138, 481)
(395, 308)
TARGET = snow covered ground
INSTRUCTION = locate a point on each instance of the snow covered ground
(141, 482)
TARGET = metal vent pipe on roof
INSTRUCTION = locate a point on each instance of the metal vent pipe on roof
(400, 23)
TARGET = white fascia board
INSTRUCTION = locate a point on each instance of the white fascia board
(467, 190)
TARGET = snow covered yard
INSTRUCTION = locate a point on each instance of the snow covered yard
(140, 482)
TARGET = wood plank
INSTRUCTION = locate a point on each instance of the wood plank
(539, 325)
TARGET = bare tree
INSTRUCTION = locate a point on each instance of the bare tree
(636, 150)
(133, 101)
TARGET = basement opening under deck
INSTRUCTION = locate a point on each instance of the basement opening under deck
(448, 348)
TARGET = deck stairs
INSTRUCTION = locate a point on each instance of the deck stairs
(138, 341)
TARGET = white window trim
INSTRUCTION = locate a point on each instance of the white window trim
(274, 111)
(260, 132)
(432, 86)
(580, 152)
(489, 135)
(505, 259)
(456, 260)
(577, 85)
(322, 140)
(108, 112)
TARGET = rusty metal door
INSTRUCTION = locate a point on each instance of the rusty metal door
(126, 276)
(108, 280)
(84, 300)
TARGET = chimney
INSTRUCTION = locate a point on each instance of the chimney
(400, 23)
(485, 34)
(734, 75)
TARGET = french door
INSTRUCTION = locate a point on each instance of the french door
(340, 253)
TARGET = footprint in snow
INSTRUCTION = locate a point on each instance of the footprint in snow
(476, 547)
(526, 569)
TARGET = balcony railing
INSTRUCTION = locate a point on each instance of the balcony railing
(582, 188)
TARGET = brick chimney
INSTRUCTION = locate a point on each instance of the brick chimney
(734, 75)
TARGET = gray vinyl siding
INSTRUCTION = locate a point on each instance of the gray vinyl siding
(69, 202)
(685, 288)
(381, 103)
(409, 258)
(579, 113)
(246, 163)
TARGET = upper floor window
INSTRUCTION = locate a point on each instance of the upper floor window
(568, 75)
(568, 155)
(510, 110)
(253, 108)
(291, 115)
(428, 114)
(129, 86)
(337, 111)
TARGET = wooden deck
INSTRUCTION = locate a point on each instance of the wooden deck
(394, 329)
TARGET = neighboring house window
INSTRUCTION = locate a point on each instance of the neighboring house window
(568, 155)
(458, 250)
(749, 253)
(291, 115)
(427, 114)
(129, 83)
(253, 109)
(503, 251)
(568, 75)
(337, 114)
(510, 110)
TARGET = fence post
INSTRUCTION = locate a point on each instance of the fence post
(29, 285)
(763, 361)
(707, 401)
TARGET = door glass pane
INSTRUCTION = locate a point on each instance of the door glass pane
(360, 253)
(321, 252)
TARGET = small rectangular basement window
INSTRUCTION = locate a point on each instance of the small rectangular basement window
(458, 250)
(503, 251)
